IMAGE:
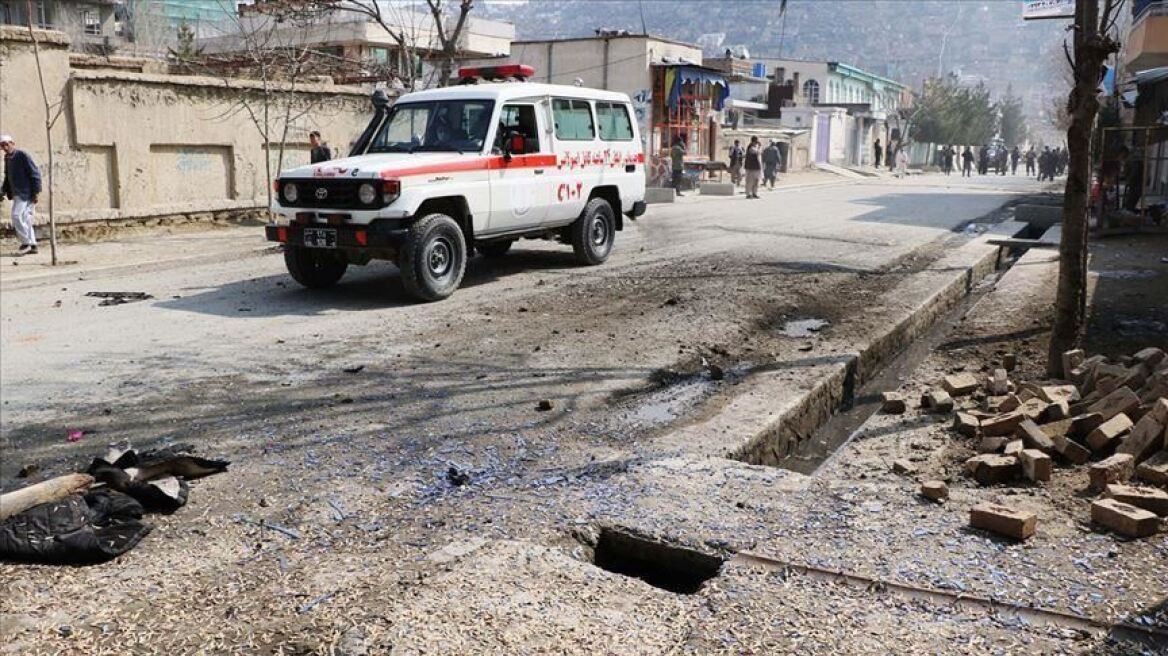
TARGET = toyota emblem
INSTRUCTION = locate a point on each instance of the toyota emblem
(321, 193)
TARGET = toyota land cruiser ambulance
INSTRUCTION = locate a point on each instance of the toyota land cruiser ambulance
(443, 172)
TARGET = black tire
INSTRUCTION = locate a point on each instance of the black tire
(314, 268)
(593, 233)
(495, 249)
(433, 258)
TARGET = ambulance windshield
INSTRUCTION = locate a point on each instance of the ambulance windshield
(438, 126)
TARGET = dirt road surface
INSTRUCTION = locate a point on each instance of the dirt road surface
(431, 505)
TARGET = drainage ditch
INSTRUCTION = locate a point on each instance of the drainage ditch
(660, 564)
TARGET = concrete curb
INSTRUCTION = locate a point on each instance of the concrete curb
(752, 428)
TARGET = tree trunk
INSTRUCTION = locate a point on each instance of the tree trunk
(1071, 297)
(49, 121)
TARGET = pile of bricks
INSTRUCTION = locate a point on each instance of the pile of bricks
(1109, 420)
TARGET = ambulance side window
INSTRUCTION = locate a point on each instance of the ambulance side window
(518, 119)
(573, 120)
(613, 119)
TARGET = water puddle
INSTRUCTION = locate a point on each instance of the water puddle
(666, 405)
(803, 327)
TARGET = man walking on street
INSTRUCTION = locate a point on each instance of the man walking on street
(22, 185)
(320, 152)
(677, 160)
(737, 156)
(772, 159)
(1015, 155)
(753, 166)
(967, 163)
(1030, 159)
(879, 152)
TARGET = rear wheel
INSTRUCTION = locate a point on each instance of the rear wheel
(495, 249)
(593, 233)
(433, 258)
(314, 268)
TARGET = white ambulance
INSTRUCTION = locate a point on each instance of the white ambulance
(444, 172)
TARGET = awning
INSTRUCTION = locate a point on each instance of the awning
(734, 103)
(676, 76)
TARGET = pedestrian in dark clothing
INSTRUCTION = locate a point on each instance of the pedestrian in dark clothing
(1003, 158)
(737, 156)
(1015, 155)
(753, 165)
(320, 152)
(879, 152)
(967, 162)
(983, 160)
(772, 159)
(1031, 158)
(677, 161)
(22, 185)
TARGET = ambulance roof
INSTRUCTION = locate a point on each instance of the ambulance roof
(505, 91)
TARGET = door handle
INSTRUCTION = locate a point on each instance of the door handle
(539, 171)
(630, 168)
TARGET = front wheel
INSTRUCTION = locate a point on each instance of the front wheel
(313, 268)
(593, 233)
(433, 258)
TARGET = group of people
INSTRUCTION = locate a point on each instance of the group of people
(895, 156)
(760, 164)
(1002, 160)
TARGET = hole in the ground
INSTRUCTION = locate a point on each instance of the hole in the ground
(666, 566)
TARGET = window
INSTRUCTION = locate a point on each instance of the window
(442, 126)
(379, 55)
(518, 119)
(811, 91)
(573, 120)
(90, 22)
(613, 121)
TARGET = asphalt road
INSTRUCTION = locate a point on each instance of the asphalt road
(234, 331)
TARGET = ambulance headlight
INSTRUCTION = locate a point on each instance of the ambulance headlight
(291, 192)
(367, 194)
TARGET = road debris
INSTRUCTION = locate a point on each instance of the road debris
(119, 298)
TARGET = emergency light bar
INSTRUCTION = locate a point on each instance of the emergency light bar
(521, 71)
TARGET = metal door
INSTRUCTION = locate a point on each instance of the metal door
(823, 138)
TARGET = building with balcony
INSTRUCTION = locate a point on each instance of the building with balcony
(1147, 42)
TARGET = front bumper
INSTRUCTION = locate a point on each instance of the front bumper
(375, 236)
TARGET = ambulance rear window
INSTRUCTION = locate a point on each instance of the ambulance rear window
(613, 120)
(573, 120)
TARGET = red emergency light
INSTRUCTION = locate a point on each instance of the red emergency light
(521, 71)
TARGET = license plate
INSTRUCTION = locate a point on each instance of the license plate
(320, 238)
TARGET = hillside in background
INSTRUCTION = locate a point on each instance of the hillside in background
(904, 40)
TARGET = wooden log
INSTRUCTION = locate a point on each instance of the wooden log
(53, 489)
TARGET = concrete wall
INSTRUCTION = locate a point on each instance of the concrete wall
(139, 145)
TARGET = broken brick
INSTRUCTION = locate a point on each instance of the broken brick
(991, 469)
(1013, 448)
(1155, 469)
(1070, 450)
(1002, 424)
(1143, 440)
(1056, 393)
(966, 424)
(1082, 373)
(1003, 520)
(904, 467)
(893, 403)
(992, 444)
(1121, 400)
(1057, 411)
(1116, 469)
(1036, 465)
(999, 382)
(959, 384)
(1034, 437)
(1082, 425)
(1010, 361)
(1123, 518)
(1006, 403)
(1034, 408)
(1150, 356)
(935, 490)
(1106, 435)
(937, 402)
(1159, 411)
(1147, 498)
(1072, 359)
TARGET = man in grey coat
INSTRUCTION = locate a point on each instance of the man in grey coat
(22, 185)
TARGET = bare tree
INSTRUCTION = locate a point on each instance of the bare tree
(1093, 44)
(448, 37)
(52, 113)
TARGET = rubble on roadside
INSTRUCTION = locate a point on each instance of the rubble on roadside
(1108, 421)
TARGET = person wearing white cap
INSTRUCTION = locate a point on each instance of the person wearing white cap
(22, 185)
